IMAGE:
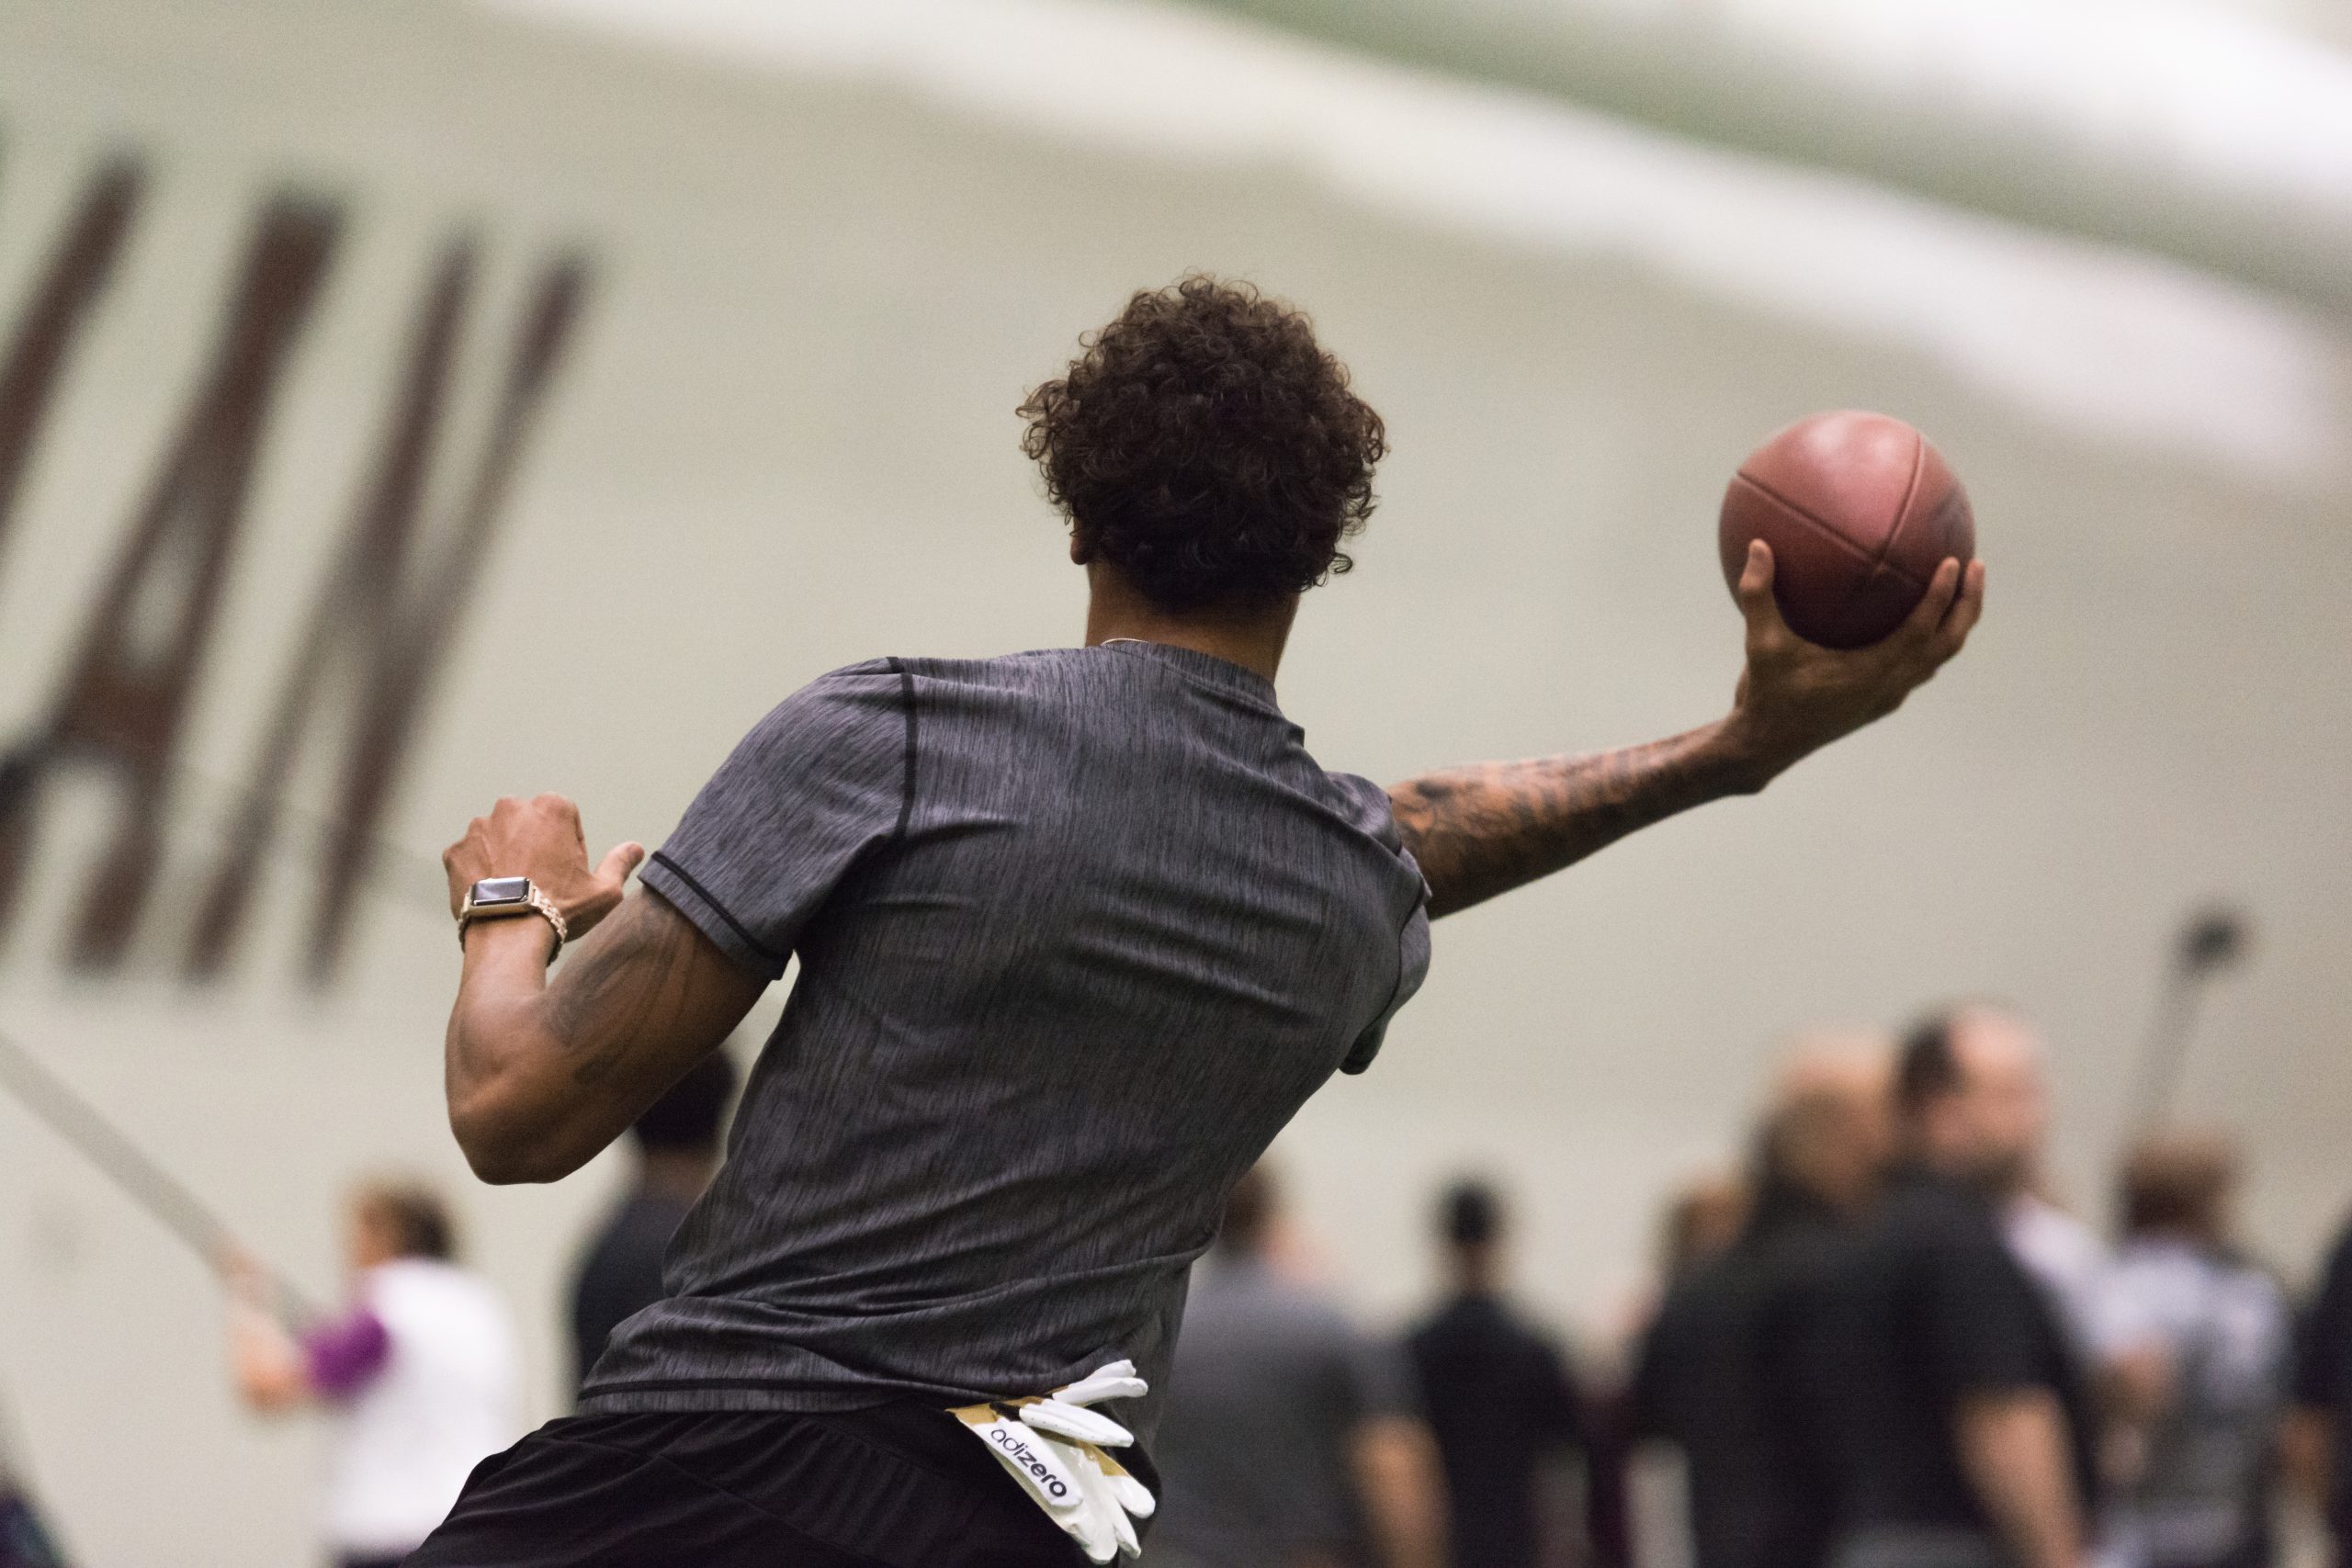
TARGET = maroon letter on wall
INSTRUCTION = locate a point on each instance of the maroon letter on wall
(391, 616)
(77, 274)
(124, 702)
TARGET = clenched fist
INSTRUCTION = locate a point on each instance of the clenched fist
(541, 839)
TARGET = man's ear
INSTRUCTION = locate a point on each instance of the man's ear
(1079, 554)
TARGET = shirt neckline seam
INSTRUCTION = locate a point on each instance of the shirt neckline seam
(1225, 675)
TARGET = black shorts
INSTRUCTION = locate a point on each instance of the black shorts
(894, 1486)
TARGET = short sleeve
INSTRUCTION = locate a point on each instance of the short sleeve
(1985, 1329)
(1412, 968)
(1369, 803)
(818, 781)
(2323, 1351)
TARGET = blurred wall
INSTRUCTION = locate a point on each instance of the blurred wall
(779, 438)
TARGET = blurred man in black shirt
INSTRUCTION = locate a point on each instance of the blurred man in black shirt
(1956, 1420)
(677, 1147)
(1721, 1374)
(2320, 1447)
(1501, 1399)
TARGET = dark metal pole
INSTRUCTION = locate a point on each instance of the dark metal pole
(2212, 939)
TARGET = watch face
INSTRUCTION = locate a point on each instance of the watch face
(497, 890)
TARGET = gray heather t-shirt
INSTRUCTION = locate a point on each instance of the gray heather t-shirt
(1078, 932)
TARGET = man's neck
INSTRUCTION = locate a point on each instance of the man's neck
(1253, 638)
(1476, 1274)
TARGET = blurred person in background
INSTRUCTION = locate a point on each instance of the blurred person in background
(24, 1542)
(1702, 1220)
(1651, 1495)
(677, 1147)
(1722, 1372)
(1501, 1402)
(2067, 1257)
(2203, 1344)
(419, 1372)
(1291, 1439)
(2319, 1428)
(2063, 1253)
(1956, 1423)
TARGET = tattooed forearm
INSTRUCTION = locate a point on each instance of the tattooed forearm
(621, 986)
(1491, 827)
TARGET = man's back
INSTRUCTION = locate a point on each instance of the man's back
(1723, 1377)
(2200, 1491)
(1269, 1389)
(1500, 1402)
(1079, 931)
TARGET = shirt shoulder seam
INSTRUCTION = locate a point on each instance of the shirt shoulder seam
(907, 773)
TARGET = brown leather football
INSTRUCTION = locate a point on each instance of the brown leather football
(1859, 510)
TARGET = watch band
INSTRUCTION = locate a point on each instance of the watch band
(531, 900)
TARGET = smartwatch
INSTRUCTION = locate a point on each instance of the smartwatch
(495, 897)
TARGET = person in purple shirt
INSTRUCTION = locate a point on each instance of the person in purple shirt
(417, 1371)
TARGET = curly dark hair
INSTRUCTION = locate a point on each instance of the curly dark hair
(1205, 446)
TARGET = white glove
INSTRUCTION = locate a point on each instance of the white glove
(1054, 1448)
